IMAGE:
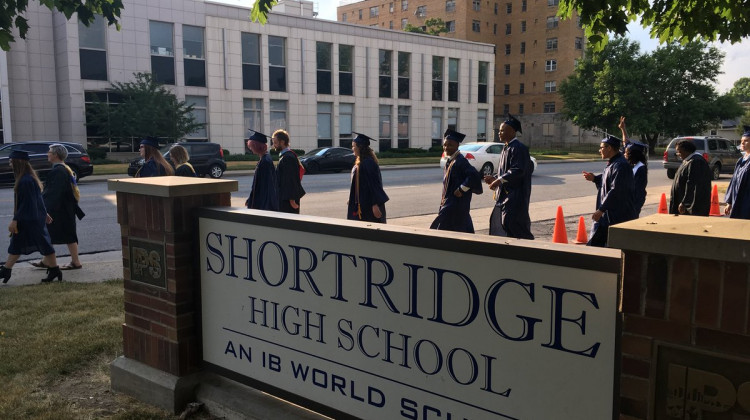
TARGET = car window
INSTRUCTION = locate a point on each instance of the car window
(469, 147)
(723, 145)
(700, 144)
(712, 144)
(202, 149)
(672, 144)
(339, 152)
(496, 148)
(315, 152)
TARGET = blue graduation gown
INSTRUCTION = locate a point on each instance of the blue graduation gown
(264, 194)
(454, 211)
(370, 192)
(640, 181)
(738, 192)
(30, 216)
(510, 217)
(615, 198)
(151, 168)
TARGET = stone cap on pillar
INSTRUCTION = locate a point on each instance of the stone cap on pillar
(712, 238)
(172, 186)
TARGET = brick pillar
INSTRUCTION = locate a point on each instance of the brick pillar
(161, 333)
(684, 305)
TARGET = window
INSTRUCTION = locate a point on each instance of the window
(506, 109)
(343, 17)
(453, 64)
(324, 67)
(200, 113)
(496, 8)
(506, 89)
(403, 126)
(550, 86)
(475, 4)
(550, 65)
(194, 56)
(523, 5)
(552, 22)
(390, 7)
(523, 47)
(450, 25)
(437, 78)
(508, 8)
(549, 107)
(453, 118)
(520, 109)
(384, 64)
(390, 24)
(95, 136)
(92, 49)
(522, 68)
(346, 69)
(360, 14)
(548, 129)
(521, 88)
(551, 44)
(346, 124)
(250, 61)
(325, 121)
(404, 74)
(475, 26)
(421, 11)
(437, 126)
(384, 127)
(253, 113)
(404, 4)
(450, 5)
(374, 12)
(278, 115)
(552, 2)
(404, 22)
(162, 52)
(482, 125)
(507, 29)
(523, 26)
(507, 49)
(277, 64)
(494, 29)
(579, 43)
(507, 69)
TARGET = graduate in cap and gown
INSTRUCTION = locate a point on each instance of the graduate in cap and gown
(636, 153)
(614, 203)
(366, 195)
(691, 188)
(264, 194)
(738, 192)
(512, 185)
(154, 163)
(460, 181)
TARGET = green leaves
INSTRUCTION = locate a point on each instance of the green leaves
(259, 12)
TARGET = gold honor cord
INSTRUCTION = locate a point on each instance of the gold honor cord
(445, 181)
(356, 187)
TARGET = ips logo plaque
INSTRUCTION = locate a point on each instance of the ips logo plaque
(147, 262)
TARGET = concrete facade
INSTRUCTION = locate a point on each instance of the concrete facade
(44, 96)
(528, 71)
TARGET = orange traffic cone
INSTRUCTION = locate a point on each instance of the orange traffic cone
(714, 202)
(560, 234)
(663, 204)
(582, 237)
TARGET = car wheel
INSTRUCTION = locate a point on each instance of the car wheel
(716, 170)
(313, 168)
(487, 169)
(671, 173)
(215, 171)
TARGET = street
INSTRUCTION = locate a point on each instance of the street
(413, 193)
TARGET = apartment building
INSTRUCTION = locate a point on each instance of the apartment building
(535, 51)
(320, 80)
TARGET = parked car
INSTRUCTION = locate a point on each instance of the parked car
(484, 156)
(334, 159)
(206, 158)
(78, 160)
(719, 152)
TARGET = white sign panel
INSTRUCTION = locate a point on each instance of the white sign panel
(385, 330)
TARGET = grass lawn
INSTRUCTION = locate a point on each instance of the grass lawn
(56, 343)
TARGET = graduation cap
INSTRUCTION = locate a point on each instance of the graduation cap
(258, 136)
(612, 141)
(150, 141)
(19, 154)
(361, 139)
(513, 122)
(746, 128)
(454, 135)
(636, 145)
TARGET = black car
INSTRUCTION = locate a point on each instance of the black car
(206, 158)
(334, 159)
(78, 160)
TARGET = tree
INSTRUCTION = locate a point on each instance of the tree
(744, 121)
(741, 89)
(145, 108)
(669, 91)
(435, 26)
(11, 12)
(669, 20)
(259, 12)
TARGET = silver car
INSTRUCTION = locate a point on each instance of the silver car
(719, 152)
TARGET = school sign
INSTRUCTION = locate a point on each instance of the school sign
(380, 322)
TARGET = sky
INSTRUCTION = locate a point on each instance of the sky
(736, 58)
